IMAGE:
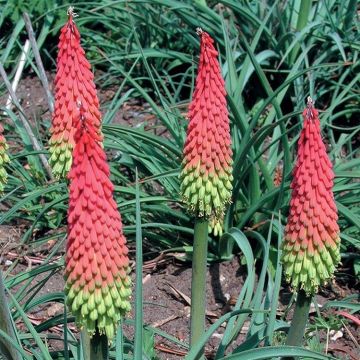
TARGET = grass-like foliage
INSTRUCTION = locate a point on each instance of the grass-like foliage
(273, 54)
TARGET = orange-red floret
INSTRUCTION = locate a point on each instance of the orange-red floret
(74, 83)
(98, 286)
(206, 176)
(311, 244)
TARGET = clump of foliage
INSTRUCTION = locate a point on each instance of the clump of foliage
(273, 55)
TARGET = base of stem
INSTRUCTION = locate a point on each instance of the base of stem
(298, 323)
(96, 347)
(198, 282)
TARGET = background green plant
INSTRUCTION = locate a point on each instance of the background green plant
(273, 55)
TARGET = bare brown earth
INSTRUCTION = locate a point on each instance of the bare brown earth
(32, 98)
(166, 281)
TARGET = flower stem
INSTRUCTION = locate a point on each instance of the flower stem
(95, 348)
(298, 323)
(99, 347)
(198, 282)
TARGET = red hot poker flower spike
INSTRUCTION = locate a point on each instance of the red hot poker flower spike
(74, 82)
(98, 286)
(311, 244)
(206, 177)
(4, 158)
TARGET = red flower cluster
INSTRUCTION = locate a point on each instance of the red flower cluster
(311, 245)
(74, 82)
(98, 286)
(206, 177)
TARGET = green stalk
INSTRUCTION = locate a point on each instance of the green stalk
(198, 282)
(95, 348)
(6, 325)
(99, 347)
(302, 21)
(298, 323)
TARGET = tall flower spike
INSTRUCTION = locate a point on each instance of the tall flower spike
(4, 158)
(98, 286)
(206, 176)
(74, 82)
(311, 244)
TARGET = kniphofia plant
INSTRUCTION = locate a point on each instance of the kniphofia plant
(98, 286)
(206, 176)
(74, 82)
(311, 244)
